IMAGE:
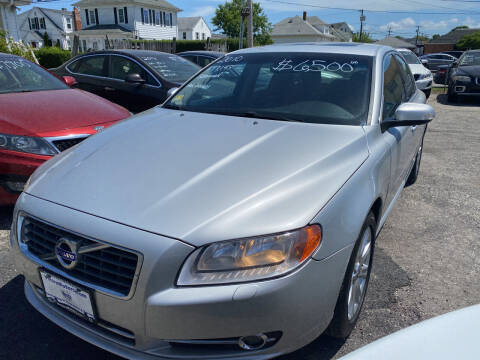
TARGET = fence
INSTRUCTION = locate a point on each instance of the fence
(168, 46)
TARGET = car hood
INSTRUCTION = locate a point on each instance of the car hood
(41, 112)
(469, 70)
(418, 69)
(202, 177)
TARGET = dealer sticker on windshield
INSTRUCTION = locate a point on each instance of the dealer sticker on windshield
(68, 295)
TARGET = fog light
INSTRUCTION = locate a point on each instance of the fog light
(252, 342)
(460, 88)
(14, 186)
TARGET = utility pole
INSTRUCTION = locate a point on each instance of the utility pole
(416, 40)
(389, 31)
(362, 19)
(242, 18)
(250, 24)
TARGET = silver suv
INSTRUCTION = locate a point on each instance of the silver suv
(237, 220)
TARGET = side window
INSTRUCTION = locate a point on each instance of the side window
(393, 91)
(408, 79)
(203, 60)
(92, 65)
(191, 58)
(120, 67)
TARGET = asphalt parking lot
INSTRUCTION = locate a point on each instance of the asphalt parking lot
(426, 263)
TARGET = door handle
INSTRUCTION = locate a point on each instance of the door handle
(107, 88)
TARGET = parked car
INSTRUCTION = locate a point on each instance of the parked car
(136, 79)
(423, 76)
(440, 76)
(241, 223)
(445, 337)
(454, 53)
(201, 58)
(435, 60)
(41, 116)
(464, 76)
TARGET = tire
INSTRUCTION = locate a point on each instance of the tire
(451, 96)
(427, 92)
(345, 317)
(412, 177)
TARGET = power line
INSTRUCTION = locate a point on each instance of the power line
(373, 11)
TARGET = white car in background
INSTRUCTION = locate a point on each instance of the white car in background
(423, 76)
(449, 336)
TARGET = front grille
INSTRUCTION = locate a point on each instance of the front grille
(416, 76)
(65, 144)
(108, 267)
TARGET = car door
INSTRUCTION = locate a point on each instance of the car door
(135, 97)
(90, 72)
(397, 137)
(416, 132)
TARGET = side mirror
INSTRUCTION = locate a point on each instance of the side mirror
(69, 80)
(410, 114)
(134, 79)
(172, 91)
(454, 64)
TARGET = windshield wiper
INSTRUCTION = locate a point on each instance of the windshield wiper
(254, 114)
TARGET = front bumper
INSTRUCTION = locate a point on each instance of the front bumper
(467, 88)
(300, 305)
(17, 167)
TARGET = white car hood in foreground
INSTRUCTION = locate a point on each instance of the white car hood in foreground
(203, 178)
(447, 337)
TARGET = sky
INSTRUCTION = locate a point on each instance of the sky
(401, 17)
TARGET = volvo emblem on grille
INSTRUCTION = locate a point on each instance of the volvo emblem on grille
(66, 251)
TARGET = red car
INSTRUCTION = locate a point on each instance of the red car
(40, 116)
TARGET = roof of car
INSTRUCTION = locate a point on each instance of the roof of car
(130, 52)
(322, 47)
(5, 55)
(215, 54)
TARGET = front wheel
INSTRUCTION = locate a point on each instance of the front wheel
(452, 97)
(355, 283)
(412, 178)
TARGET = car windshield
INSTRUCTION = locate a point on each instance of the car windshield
(410, 57)
(306, 87)
(20, 75)
(172, 68)
(470, 59)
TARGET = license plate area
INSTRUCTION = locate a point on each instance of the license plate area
(68, 295)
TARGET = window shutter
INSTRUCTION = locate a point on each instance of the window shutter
(171, 20)
(125, 14)
(96, 16)
(29, 23)
(86, 14)
(153, 16)
(143, 16)
(115, 15)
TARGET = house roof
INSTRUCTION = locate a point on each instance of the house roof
(188, 23)
(295, 26)
(453, 37)
(395, 43)
(106, 27)
(338, 25)
(157, 3)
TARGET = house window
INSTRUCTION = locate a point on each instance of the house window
(121, 16)
(34, 44)
(34, 23)
(184, 35)
(203, 36)
(145, 16)
(197, 36)
(84, 45)
(95, 45)
(157, 18)
(91, 14)
(42, 23)
(69, 23)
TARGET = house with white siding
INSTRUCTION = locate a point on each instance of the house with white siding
(8, 17)
(193, 28)
(58, 24)
(113, 20)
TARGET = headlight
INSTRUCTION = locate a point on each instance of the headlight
(27, 144)
(424, 76)
(462, 78)
(250, 259)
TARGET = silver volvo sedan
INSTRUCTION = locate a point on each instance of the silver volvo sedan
(238, 219)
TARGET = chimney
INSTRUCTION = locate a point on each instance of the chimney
(77, 21)
(304, 16)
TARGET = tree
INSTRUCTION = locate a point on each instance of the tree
(366, 37)
(470, 41)
(435, 36)
(227, 18)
